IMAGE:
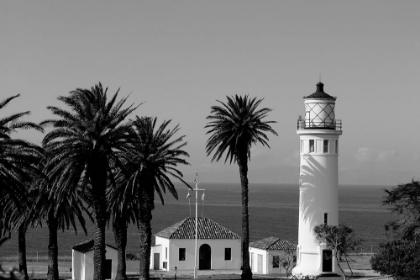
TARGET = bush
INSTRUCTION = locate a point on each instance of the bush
(398, 258)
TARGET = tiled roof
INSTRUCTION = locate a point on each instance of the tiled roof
(319, 93)
(87, 246)
(207, 229)
(273, 243)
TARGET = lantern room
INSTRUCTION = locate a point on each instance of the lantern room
(319, 111)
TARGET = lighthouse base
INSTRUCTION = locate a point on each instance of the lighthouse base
(316, 264)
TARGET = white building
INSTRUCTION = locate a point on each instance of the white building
(267, 255)
(82, 261)
(218, 247)
(318, 201)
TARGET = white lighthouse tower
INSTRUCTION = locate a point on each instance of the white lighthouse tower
(318, 200)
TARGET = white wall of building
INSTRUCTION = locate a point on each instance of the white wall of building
(217, 252)
(266, 267)
(82, 264)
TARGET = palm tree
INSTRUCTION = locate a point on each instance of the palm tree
(17, 157)
(153, 159)
(84, 143)
(19, 163)
(234, 127)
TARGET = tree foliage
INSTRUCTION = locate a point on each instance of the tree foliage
(84, 145)
(340, 239)
(400, 255)
(404, 200)
(398, 258)
(151, 165)
(234, 127)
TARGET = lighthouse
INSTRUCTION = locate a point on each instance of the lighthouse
(319, 133)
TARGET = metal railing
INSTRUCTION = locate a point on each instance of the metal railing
(335, 125)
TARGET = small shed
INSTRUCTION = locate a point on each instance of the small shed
(82, 261)
(218, 247)
(267, 255)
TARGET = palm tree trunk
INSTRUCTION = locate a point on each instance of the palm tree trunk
(120, 235)
(98, 175)
(22, 251)
(99, 240)
(145, 230)
(243, 173)
(52, 248)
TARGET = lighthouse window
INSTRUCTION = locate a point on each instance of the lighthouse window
(326, 146)
(311, 146)
(325, 218)
(301, 146)
(336, 146)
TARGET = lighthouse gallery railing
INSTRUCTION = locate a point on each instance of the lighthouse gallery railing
(335, 125)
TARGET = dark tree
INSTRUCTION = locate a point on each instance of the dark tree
(19, 165)
(155, 156)
(399, 257)
(234, 127)
(404, 200)
(84, 145)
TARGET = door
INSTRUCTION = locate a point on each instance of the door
(156, 261)
(108, 269)
(260, 264)
(327, 261)
(204, 257)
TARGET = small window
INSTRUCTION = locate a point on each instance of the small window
(311, 146)
(301, 146)
(228, 254)
(166, 253)
(165, 265)
(276, 261)
(325, 218)
(326, 146)
(336, 146)
(182, 254)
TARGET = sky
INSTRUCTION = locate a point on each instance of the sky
(177, 58)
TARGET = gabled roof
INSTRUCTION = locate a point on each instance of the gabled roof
(319, 93)
(207, 229)
(87, 246)
(273, 243)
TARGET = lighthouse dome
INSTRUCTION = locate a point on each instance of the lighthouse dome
(319, 93)
(319, 109)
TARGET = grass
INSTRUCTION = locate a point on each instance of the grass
(38, 270)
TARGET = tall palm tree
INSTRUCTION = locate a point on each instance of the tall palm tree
(19, 162)
(83, 144)
(154, 158)
(234, 127)
(17, 157)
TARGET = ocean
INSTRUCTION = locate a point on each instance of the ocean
(273, 211)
